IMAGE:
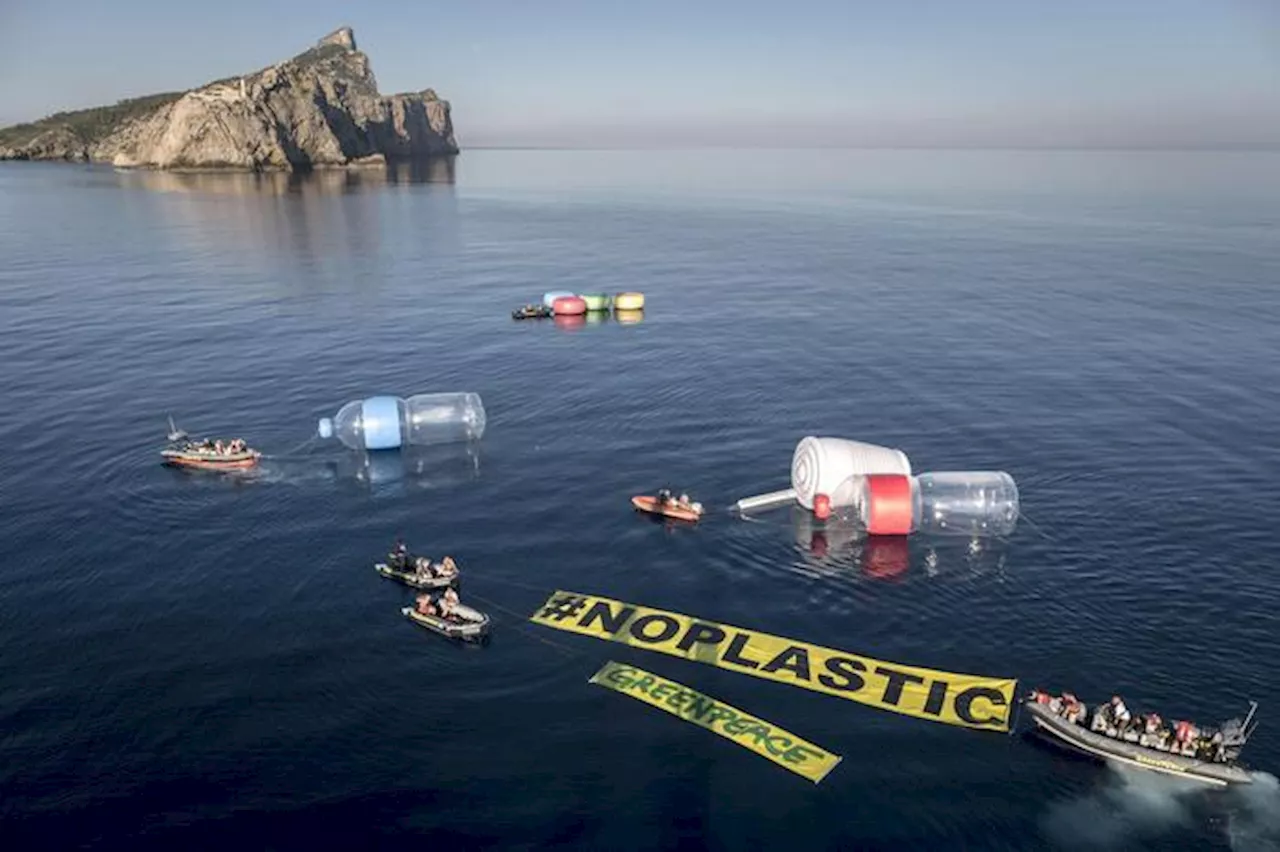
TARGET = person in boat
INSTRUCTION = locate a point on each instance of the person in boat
(217, 447)
(449, 603)
(1184, 737)
(425, 605)
(1150, 728)
(447, 567)
(664, 497)
(1042, 697)
(398, 558)
(1072, 709)
(1218, 748)
(422, 568)
(1120, 715)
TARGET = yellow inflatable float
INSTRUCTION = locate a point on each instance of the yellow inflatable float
(628, 301)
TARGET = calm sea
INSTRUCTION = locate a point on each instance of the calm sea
(209, 662)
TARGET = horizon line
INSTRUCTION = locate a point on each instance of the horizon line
(1242, 147)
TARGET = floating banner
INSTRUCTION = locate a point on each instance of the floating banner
(970, 701)
(765, 739)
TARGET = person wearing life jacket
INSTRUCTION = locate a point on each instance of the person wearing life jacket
(1184, 734)
(1072, 709)
(447, 567)
(422, 568)
(449, 602)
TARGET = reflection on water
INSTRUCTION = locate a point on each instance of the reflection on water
(827, 545)
(391, 472)
(569, 322)
(974, 556)
(318, 182)
(573, 322)
(317, 229)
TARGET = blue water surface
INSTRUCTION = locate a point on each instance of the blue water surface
(209, 662)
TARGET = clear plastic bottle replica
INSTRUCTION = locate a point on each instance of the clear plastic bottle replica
(388, 422)
(973, 503)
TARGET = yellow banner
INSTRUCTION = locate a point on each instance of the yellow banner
(765, 739)
(971, 701)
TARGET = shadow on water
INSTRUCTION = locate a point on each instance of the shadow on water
(435, 170)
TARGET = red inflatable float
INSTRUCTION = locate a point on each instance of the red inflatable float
(888, 504)
(569, 306)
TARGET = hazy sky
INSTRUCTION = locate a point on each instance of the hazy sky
(911, 72)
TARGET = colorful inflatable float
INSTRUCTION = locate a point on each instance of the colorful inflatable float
(569, 306)
(628, 301)
(549, 298)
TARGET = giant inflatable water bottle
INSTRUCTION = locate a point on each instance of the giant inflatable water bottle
(389, 422)
(974, 503)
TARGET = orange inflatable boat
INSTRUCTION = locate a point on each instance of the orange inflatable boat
(651, 504)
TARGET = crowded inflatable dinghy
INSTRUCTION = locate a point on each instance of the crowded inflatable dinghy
(448, 617)
(421, 574)
(1112, 733)
(207, 453)
(418, 571)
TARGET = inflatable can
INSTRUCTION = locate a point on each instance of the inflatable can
(834, 466)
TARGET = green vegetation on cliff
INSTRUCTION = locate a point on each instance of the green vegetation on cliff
(96, 123)
(88, 125)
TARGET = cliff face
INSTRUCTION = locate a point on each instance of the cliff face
(318, 109)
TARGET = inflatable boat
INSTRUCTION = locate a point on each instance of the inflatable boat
(654, 506)
(411, 578)
(206, 454)
(532, 312)
(210, 460)
(466, 624)
(1130, 752)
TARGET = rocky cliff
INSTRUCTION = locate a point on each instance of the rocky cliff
(318, 109)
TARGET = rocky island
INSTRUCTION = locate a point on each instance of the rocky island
(319, 109)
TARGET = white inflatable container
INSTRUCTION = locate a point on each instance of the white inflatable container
(832, 466)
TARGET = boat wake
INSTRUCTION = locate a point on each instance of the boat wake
(1253, 818)
(1133, 805)
(1129, 805)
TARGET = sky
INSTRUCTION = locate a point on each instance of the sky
(1129, 73)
